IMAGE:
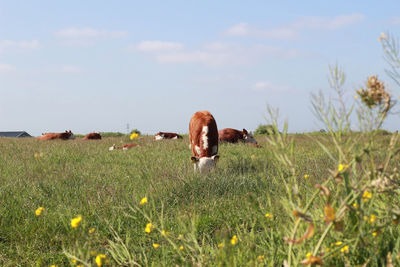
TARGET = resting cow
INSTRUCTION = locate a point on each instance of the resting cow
(92, 136)
(52, 136)
(163, 135)
(203, 138)
(233, 136)
(124, 147)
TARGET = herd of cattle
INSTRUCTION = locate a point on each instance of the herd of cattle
(203, 137)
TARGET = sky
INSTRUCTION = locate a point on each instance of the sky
(100, 65)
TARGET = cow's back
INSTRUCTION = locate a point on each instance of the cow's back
(203, 134)
(230, 135)
(48, 136)
(92, 136)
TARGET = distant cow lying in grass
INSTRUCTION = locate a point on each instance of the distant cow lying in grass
(233, 136)
(52, 136)
(92, 136)
(124, 147)
(163, 135)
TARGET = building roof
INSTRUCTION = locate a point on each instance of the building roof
(15, 134)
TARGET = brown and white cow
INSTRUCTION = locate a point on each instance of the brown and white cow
(164, 135)
(92, 136)
(233, 136)
(52, 136)
(203, 138)
(124, 147)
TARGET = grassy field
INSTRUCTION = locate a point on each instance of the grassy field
(237, 215)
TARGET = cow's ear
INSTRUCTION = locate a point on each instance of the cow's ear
(215, 158)
(194, 160)
(245, 131)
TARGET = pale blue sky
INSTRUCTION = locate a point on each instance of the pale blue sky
(98, 65)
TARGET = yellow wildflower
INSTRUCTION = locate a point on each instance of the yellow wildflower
(143, 201)
(268, 215)
(53, 265)
(100, 259)
(234, 240)
(164, 233)
(91, 230)
(260, 258)
(345, 249)
(308, 255)
(75, 222)
(338, 243)
(149, 227)
(155, 245)
(79, 265)
(134, 136)
(74, 261)
(306, 176)
(366, 195)
(374, 234)
(355, 205)
(220, 245)
(327, 249)
(39, 211)
(372, 218)
(342, 167)
(181, 247)
(180, 236)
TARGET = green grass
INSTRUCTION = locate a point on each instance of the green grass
(105, 187)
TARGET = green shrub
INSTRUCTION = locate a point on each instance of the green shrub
(264, 129)
(136, 131)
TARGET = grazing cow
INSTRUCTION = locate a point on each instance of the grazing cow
(163, 135)
(52, 136)
(92, 136)
(233, 136)
(203, 138)
(124, 147)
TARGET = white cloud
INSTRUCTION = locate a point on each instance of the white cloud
(6, 68)
(88, 33)
(71, 69)
(155, 46)
(4, 44)
(292, 30)
(325, 23)
(219, 54)
(244, 29)
(241, 29)
(266, 86)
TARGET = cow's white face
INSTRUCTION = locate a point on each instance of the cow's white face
(205, 164)
(112, 147)
(159, 137)
(249, 138)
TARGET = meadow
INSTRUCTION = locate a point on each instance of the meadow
(237, 215)
(302, 199)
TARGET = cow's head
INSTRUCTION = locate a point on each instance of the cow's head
(204, 164)
(159, 136)
(112, 147)
(70, 134)
(248, 137)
